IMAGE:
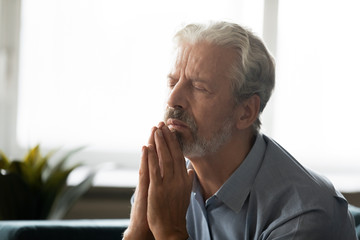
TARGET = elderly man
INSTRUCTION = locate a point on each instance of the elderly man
(237, 183)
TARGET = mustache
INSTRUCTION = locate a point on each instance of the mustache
(182, 115)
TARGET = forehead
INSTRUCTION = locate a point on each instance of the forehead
(203, 60)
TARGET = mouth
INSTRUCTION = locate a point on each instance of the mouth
(175, 124)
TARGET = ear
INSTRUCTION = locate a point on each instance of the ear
(247, 112)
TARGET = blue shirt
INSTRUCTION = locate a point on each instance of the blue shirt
(270, 196)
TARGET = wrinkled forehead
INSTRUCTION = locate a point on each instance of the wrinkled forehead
(203, 59)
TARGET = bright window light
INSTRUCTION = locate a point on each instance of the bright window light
(94, 72)
(316, 115)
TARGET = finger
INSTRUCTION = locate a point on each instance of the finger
(161, 124)
(143, 184)
(153, 129)
(164, 154)
(151, 140)
(154, 168)
(175, 150)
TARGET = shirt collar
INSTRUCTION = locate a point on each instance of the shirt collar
(235, 190)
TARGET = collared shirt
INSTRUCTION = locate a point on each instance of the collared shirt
(270, 196)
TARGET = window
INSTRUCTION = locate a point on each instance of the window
(94, 72)
(316, 115)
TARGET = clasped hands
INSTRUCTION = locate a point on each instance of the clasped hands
(163, 193)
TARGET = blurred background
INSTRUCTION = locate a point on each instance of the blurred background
(93, 73)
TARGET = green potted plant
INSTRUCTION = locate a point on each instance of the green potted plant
(32, 189)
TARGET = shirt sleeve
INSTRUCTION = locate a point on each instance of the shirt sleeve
(314, 225)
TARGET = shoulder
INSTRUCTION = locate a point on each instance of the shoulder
(280, 171)
(285, 194)
(312, 225)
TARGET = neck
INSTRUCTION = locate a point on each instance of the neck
(214, 169)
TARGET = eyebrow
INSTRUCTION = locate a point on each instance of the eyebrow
(199, 80)
(172, 77)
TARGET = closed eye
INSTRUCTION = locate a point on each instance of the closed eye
(172, 81)
(171, 85)
(199, 86)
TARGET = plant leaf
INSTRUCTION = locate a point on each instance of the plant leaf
(40, 166)
(33, 156)
(16, 167)
(69, 196)
(61, 163)
(4, 161)
(52, 188)
(26, 172)
(29, 193)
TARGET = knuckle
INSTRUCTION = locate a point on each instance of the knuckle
(155, 171)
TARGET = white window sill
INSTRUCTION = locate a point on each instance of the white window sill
(107, 177)
(344, 182)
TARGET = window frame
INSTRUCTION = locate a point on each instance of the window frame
(9, 67)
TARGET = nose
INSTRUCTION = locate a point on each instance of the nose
(178, 95)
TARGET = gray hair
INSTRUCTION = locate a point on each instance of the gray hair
(253, 71)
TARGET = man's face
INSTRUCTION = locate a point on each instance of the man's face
(200, 105)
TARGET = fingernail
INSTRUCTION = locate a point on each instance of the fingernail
(161, 124)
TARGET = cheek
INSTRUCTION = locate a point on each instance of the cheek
(211, 112)
(215, 114)
(209, 118)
